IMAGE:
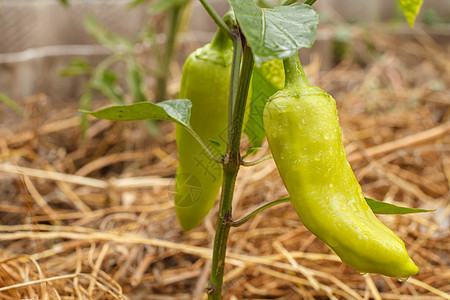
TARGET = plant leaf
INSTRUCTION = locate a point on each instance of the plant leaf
(266, 80)
(276, 32)
(137, 2)
(250, 151)
(77, 67)
(164, 5)
(136, 80)
(410, 9)
(112, 41)
(380, 207)
(216, 144)
(85, 104)
(64, 2)
(9, 102)
(106, 82)
(177, 111)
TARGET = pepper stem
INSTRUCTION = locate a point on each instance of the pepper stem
(293, 70)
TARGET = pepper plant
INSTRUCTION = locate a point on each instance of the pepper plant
(227, 88)
(125, 51)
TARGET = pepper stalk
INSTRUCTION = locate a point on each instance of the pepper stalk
(231, 164)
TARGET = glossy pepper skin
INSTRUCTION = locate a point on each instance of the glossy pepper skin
(304, 136)
(205, 82)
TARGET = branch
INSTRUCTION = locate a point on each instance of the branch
(221, 23)
(258, 210)
(255, 162)
(197, 137)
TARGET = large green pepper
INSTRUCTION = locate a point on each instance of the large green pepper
(205, 82)
(304, 136)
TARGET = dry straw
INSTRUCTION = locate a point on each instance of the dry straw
(94, 219)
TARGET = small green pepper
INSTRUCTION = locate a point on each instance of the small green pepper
(304, 136)
(205, 82)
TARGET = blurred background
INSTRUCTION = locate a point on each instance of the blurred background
(39, 38)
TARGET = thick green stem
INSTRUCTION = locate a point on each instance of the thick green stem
(234, 80)
(222, 230)
(241, 100)
(295, 76)
(231, 164)
(175, 16)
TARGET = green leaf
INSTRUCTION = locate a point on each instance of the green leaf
(276, 32)
(266, 80)
(9, 102)
(106, 82)
(177, 111)
(410, 9)
(64, 2)
(85, 104)
(250, 151)
(380, 207)
(136, 81)
(112, 41)
(77, 67)
(216, 144)
(137, 2)
(383, 208)
(164, 5)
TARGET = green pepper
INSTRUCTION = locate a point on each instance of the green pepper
(304, 136)
(205, 82)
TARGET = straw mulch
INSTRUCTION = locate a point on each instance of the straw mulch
(93, 218)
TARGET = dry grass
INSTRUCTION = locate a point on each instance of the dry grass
(94, 219)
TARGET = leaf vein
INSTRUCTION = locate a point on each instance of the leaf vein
(263, 30)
